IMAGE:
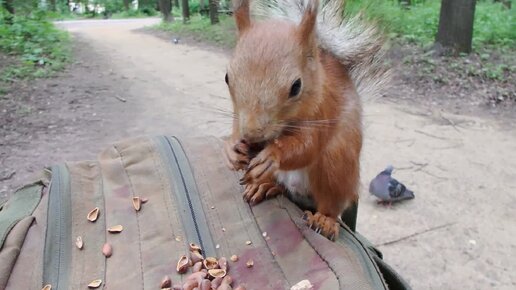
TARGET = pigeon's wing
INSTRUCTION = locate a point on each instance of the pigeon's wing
(398, 191)
(396, 188)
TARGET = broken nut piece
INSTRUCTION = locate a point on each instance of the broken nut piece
(115, 229)
(234, 258)
(47, 287)
(137, 203)
(78, 242)
(93, 214)
(95, 283)
(249, 263)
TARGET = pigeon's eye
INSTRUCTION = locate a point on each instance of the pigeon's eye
(295, 89)
(226, 79)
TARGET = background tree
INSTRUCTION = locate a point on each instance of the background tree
(8, 6)
(52, 5)
(214, 11)
(506, 3)
(185, 11)
(455, 31)
(165, 6)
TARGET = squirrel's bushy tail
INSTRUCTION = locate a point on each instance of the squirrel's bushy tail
(358, 45)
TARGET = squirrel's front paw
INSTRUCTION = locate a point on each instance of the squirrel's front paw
(236, 154)
(255, 193)
(321, 224)
(262, 167)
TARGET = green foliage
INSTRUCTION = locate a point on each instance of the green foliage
(419, 22)
(200, 27)
(134, 14)
(494, 24)
(42, 48)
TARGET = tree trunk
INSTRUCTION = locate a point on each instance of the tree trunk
(8, 5)
(186, 10)
(456, 25)
(52, 5)
(214, 11)
(126, 5)
(165, 8)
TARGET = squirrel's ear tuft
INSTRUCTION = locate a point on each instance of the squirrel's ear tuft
(242, 15)
(307, 26)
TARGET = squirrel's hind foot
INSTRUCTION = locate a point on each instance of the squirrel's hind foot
(321, 224)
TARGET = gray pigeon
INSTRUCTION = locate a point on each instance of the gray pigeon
(388, 189)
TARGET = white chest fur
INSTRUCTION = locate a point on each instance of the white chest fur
(296, 181)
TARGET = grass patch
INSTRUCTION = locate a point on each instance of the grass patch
(200, 28)
(494, 24)
(39, 46)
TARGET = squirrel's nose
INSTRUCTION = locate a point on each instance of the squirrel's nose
(253, 135)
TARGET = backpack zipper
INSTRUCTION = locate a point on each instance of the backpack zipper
(58, 236)
(186, 194)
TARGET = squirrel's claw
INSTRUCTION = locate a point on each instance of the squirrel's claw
(236, 155)
(261, 168)
(254, 194)
(321, 224)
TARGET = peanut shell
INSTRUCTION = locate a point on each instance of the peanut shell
(210, 263)
(217, 273)
(115, 229)
(93, 214)
(95, 283)
(137, 203)
(182, 264)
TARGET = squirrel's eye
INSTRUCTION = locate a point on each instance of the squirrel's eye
(296, 88)
(226, 79)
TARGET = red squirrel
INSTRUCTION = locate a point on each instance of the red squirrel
(295, 80)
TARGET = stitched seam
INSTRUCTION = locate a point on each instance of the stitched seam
(137, 216)
(267, 244)
(77, 271)
(163, 190)
(103, 216)
(377, 269)
(311, 245)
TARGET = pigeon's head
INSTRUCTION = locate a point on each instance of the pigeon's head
(388, 169)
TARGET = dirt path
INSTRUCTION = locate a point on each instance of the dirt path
(457, 234)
